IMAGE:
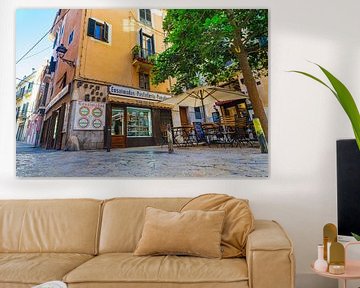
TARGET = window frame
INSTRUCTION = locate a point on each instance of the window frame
(145, 20)
(105, 30)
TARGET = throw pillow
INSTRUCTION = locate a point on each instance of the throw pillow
(196, 233)
(238, 223)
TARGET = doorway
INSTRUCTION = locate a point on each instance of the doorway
(184, 120)
(118, 139)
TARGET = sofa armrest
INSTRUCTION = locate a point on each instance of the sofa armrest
(269, 256)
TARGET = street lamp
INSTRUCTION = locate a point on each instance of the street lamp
(61, 51)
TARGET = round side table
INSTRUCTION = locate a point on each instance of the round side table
(352, 269)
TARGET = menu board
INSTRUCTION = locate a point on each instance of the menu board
(89, 115)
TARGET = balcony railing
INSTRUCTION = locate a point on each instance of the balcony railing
(143, 55)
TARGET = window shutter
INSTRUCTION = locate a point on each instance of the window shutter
(142, 14)
(91, 27)
(148, 16)
(141, 43)
(55, 41)
(153, 44)
(52, 65)
(106, 32)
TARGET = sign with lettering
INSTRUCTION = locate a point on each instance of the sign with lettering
(137, 93)
(89, 115)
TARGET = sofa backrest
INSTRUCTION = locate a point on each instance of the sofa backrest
(64, 226)
(123, 220)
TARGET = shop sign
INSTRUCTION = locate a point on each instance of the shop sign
(89, 115)
(137, 93)
(60, 95)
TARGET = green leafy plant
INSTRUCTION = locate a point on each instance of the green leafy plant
(344, 97)
(356, 236)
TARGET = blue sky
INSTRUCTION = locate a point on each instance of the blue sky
(31, 25)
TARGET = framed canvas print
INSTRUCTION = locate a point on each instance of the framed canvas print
(142, 92)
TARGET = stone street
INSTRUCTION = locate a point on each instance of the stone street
(199, 161)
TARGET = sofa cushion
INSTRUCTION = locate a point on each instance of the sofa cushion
(238, 223)
(126, 268)
(36, 268)
(62, 226)
(123, 220)
(193, 232)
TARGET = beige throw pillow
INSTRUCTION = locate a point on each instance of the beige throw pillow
(196, 233)
(239, 220)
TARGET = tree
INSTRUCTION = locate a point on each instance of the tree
(212, 46)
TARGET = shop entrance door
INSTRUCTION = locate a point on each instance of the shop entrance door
(118, 139)
(184, 116)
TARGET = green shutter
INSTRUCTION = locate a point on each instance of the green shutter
(91, 27)
(141, 43)
(106, 32)
(153, 44)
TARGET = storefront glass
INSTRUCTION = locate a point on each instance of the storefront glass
(139, 122)
(117, 121)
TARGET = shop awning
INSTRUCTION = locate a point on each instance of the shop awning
(139, 103)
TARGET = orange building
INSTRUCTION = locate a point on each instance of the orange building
(101, 78)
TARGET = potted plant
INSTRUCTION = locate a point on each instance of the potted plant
(344, 97)
(346, 100)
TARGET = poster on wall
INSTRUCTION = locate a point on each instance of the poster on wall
(89, 115)
(193, 101)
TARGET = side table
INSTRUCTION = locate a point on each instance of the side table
(352, 269)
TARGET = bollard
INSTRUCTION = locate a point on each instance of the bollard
(108, 137)
(170, 139)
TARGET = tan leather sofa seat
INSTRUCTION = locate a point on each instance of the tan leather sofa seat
(126, 269)
(34, 268)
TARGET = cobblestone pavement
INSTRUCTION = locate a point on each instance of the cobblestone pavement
(201, 161)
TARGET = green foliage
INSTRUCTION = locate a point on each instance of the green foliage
(200, 45)
(344, 97)
(356, 236)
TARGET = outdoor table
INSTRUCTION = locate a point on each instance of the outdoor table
(183, 135)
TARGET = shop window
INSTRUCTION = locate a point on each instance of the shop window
(97, 30)
(71, 37)
(145, 16)
(144, 81)
(117, 121)
(139, 122)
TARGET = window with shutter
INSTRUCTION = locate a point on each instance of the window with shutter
(144, 81)
(145, 16)
(99, 31)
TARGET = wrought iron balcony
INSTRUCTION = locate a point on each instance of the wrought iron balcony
(142, 56)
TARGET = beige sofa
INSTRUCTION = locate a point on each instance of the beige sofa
(89, 243)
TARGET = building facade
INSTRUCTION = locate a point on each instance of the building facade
(103, 79)
(26, 92)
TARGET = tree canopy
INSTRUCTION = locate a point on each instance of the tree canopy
(201, 49)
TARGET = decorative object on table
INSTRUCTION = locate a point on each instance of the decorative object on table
(51, 284)
(337, 258)
(344, 97)
(329, 236)
(320, 264)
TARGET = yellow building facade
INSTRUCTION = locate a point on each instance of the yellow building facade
(103, 80)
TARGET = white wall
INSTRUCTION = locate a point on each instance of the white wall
(305, 123)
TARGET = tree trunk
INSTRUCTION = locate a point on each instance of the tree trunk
(250, 84)
(249, 79)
